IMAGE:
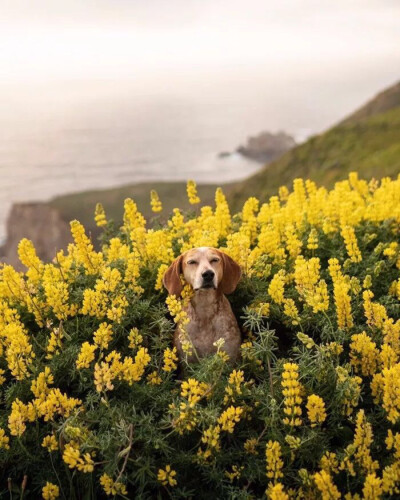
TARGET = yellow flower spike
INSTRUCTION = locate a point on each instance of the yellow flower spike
(274, 462)
(50, 491)
(4, 440)
(326, 486)
(350, 240)
(316, 410)
(91, 260)
(312, 241)
(100, 215)
(277, 492)
(276, 287)
(170, 360)
(229, 418)
(86, 355)
(292, 395)
(155, 201)
(132, 218)
(28, 257)
(372, 489)
(154, 379)
(364, 355)
(103, 335)
(160, 275)
(50, 443)
(112, 487)
(192, 192)
(390, 387)
(329, 463)
(135, 338)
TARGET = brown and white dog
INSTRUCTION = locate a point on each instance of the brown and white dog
(212, 274)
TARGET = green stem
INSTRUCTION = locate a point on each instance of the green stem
(55, 472)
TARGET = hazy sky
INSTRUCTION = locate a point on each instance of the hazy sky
(80, 39)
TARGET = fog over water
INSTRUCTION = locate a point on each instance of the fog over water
(101, 94)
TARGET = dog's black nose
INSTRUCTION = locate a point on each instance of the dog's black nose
(208, 275)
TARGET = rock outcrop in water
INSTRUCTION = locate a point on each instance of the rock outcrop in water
(266, 146)
(41, 224)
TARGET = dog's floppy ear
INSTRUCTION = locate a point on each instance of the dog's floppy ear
(231, 274)
(172, 277)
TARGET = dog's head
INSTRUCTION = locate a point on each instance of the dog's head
(204, 268)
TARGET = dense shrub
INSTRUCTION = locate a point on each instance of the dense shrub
(93, 402)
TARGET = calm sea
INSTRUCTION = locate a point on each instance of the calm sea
(61, 138)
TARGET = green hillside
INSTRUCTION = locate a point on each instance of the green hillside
(173, 194)
(382, 102)
(367, 141)
(370, 145)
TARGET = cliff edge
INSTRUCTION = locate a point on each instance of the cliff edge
(41, 224)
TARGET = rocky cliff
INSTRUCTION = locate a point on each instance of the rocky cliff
(41, 224)
(266, 147)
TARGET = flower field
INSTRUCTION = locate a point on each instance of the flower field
(94, 404)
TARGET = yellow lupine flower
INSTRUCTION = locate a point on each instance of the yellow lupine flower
(391, 392)
(343, 303)
(372, 487)
(277, 492)
(250, 446)
(103, 336)
(274, 463)
(86, 355)
(192, 192)
(50, 491)
(160, 275)
(91, 260)
(112, 487)
(132, 218)
(350, 240)
(170, 359)
(233, 389)
(363, 438)
(155, 201)
(211, 437)
(277, 287)
(167, 476)
(50, 443)
(291, 311)
(364, 355)
(291, 392)
(326, 486)
(350, 386)
(312, 241)
(4, 440)
(193, 390)
(229, 418)
(316, 410)
(100, 215)
(154, 379)
(135, 338)
(235, 473)
(329, 463)
(71, 455)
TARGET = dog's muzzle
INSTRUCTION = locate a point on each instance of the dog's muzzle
(208, 279)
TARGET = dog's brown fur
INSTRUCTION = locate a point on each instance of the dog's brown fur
(209, 311)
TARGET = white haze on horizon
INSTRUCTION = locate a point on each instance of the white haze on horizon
(100, 93)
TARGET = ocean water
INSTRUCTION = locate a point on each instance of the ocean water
(62, 138)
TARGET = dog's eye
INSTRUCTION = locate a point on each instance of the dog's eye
(215, 259)
(191, 262)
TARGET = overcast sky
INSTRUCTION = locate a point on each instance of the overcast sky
(80, 39)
